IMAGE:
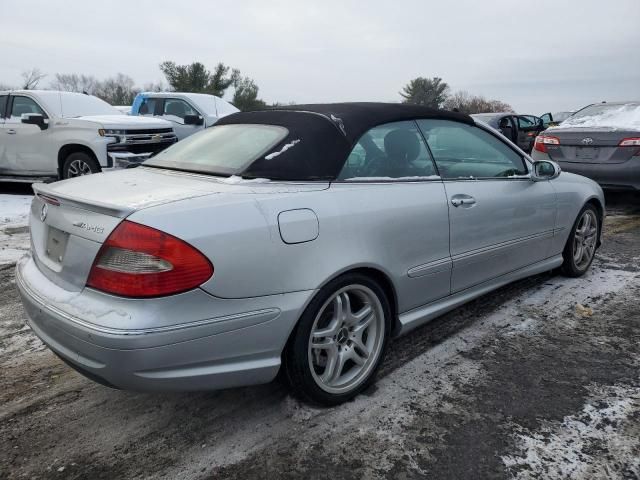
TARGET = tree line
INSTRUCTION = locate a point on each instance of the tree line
(197, 78)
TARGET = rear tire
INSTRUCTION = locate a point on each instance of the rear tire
(78, 164)
(339, 343)
(581, 246)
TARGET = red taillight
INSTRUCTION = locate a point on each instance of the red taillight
(630, 142)
(543, 140)
(140, 261)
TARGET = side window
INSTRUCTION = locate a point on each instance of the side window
(148, 106)
(3, 105)
(525, 123)
(22, 105)
(178, 108)
(466, 151)
(391, 151)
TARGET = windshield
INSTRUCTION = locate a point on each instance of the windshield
(80, 105)
(625, 116)
(221, 150)
(561, 116)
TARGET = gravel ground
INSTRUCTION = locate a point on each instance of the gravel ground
(540, 379)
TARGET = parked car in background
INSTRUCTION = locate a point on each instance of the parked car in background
(520, 129)
(50, 134)
(601, 141)
(125, 109)
(302, 238)
(553, 119)
(187, 112)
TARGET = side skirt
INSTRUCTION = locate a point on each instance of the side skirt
(421, 315)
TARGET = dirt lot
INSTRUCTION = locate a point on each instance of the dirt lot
(522, 383)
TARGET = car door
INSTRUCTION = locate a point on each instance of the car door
(174, 110)
(547, 120)
(499, 219)
(528, 128)
(27, 148)
(3, 140)
(393, 194)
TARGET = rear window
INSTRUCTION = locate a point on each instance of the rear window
(625, 116)
(221, 150)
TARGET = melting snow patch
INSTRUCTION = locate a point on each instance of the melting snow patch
(598, 442)
(14, 233)
(236, 180)
(282, 150)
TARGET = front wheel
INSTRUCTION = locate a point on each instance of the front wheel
(78, 164)
(582, 242)
(339, 343)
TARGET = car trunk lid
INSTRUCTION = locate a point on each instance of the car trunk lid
(579, 145)
(71, 219)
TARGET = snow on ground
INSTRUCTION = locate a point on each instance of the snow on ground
(14, 230)
(564, 449)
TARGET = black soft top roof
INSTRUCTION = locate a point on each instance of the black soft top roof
(321, 136)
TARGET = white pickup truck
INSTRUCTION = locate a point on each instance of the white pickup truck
(53, 135)
(187, 112)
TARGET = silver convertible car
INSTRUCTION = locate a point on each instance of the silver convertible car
(302, 238)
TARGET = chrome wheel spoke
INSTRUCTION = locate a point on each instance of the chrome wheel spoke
(335, 364)
(359, 344)
(356, 357)
(328, 331)
(361, 315)
(325, 344)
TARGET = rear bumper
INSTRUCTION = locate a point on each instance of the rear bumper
(220, 352)
(623, 176)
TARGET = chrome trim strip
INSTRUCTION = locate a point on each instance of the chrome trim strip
(492, 248)
(272, 312)
(430, 268)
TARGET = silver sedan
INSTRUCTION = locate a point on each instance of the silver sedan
(302, 238)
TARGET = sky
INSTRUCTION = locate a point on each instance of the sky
(537, 56)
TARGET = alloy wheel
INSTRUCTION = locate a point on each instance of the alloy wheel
(78, 168)
(584, 239)
(346, 339)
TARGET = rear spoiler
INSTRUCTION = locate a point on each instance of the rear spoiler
(48, 194)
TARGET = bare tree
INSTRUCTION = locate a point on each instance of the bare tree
(31, 78)
(464, 102)
(73, 82)
(118, 90)
(155, 87)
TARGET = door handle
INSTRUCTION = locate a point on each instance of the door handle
(11, 131)
(458, 201)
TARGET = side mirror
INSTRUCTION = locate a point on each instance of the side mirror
(35, 119)
(193, 120)
(545, 170)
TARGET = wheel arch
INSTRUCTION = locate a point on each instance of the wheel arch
(376, 274)
(70, 148)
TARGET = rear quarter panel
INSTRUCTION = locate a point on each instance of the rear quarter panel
(390, 227)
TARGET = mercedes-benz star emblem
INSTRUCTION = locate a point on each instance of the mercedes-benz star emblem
(43, 212)
(587, 141)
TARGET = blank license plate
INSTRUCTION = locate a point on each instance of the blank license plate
(586, 153)
(56, 244)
